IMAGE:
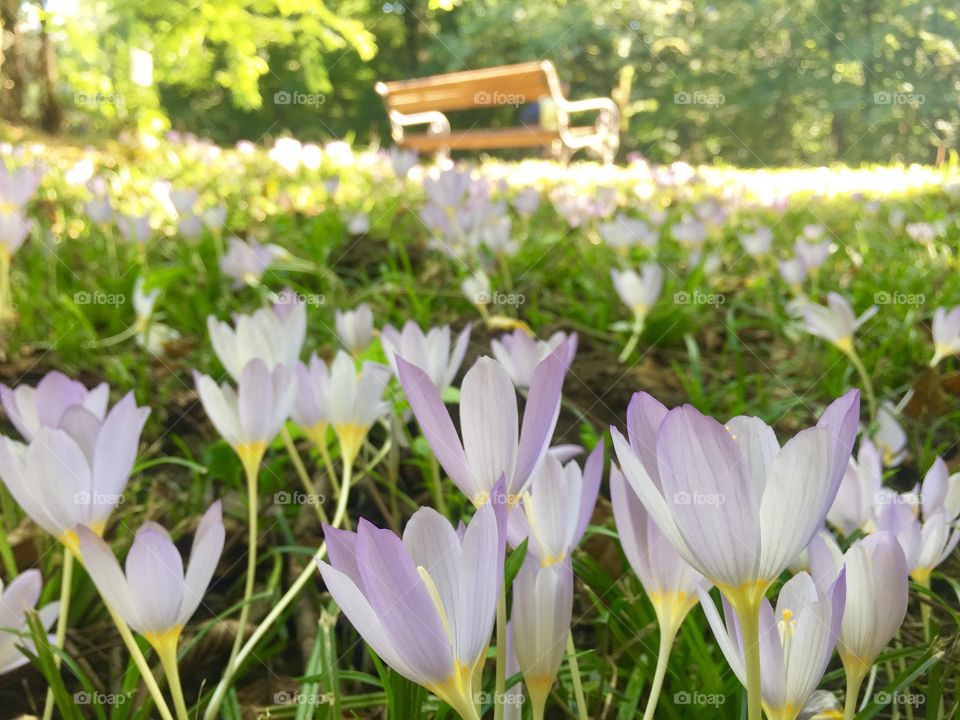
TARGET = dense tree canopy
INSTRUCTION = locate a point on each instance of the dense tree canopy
(753, 82)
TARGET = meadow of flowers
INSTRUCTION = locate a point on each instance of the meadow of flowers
(306, 431)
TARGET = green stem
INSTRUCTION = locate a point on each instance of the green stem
(854, 680)
(438, 498)
(251, 469)
(66, 580)
(141, 662)
(748, 611)
(667, 636)
(634, 339)
(308, 486)
(867, 382)
(167, 651)
(6, 552)
(308, 573)
(575, 675)
(500, 687)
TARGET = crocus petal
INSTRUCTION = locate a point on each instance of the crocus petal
(435, 422)
(541, 412)
(103, 568)
(713, 501)
(154, 572)
(488, 419)
(204, 556)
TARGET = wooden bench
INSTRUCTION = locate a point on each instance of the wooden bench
(423, 102)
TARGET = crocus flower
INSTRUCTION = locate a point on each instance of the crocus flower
(249, 417)
(183, 200)
(519, 353)
(476, 289)
(14, 228)
(99, 210)
(889, 437)
(402, 161)
(940, 490)
(796, 641)
(134, 228)
(813, 255)
(355, 401)
(20, 596)
(793, 272)
(540, 624)
(735, 505)
(310, 403)
(246, 262)
(835, 322)
(852, 509)
(214, 217)
(190, 226)
(946, 334)
(670, 583)
(358, 224)
(154, 595)
(757, 243)
(274, 335)
(557, 507)
(527, 201)
(877, 595)
(425, 604)
(18, 186)
(74, 473)
(429, 351)
(29, 409)
(355, 328)
(639, 291)
(622, 233)
(489, 423)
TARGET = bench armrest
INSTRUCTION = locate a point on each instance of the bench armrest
(438, 122)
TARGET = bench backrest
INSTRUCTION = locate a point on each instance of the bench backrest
(504, 85)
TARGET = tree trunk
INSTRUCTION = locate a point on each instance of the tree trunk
(52, 112)
(11, 63)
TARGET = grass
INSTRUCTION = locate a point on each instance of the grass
(738, 353)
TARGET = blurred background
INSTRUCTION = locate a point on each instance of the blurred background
(746, 82)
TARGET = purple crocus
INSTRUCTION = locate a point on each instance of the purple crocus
(355, 328)
(797, 639)
(18, 186)
(520, 353)
(14, 228)
(74, 473)
(134, 228)
(430, 351)
(16, 599)
(735, 504)
(155, 596)
(426, 603)
(245, 262)
(489, 422)
(670, 583)
(29, 408)
(540, 625)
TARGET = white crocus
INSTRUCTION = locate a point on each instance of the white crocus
(430, 351)
(274, 335)
(946, 334)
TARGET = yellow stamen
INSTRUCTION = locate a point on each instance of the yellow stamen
(787, 626)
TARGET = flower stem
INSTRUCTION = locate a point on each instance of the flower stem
(167, 652)
(867, 382)
(251, 466)
(6, 552)
(575, 675)
(854, 680)
(634, 339)
(141, 662)
(438, 498)
(667, 636)
(922, 578)
(748, 611)
(500, 687)
(288, 597)
(66, 580)
(308, 486)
